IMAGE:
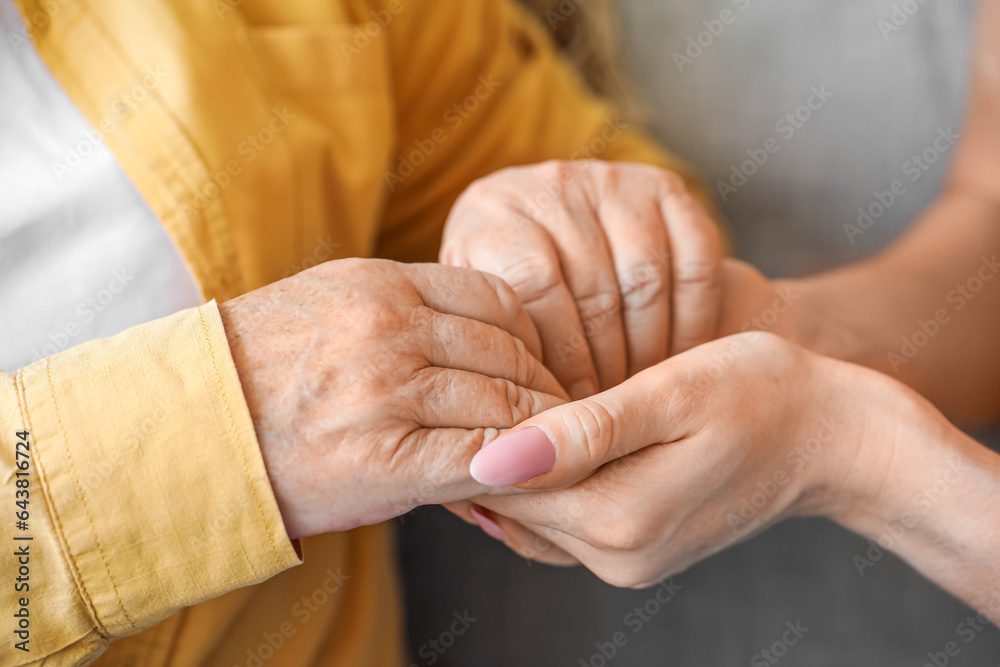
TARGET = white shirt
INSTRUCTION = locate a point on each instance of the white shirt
(81, 254)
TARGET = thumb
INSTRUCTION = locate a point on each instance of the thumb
(563, 445)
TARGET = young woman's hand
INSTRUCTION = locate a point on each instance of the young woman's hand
(713, 446)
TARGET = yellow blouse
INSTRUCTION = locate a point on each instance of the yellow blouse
(267, 135)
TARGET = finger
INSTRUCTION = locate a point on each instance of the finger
(580, 510)
(475, 295)
(447, 398)
(470, 345)
(522, 540)
(614, 552)
(433, 463)
(589, 271)
(637, 236)
(697, 269)
(532, 267)
(565, 444)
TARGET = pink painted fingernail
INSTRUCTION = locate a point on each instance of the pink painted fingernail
(514, 458)
(489, 526)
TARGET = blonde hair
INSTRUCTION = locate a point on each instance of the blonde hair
(587, 31)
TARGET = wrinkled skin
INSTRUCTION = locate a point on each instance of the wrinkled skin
(371, 384)
(616, 263)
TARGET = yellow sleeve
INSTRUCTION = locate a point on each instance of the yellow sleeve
(146, 490)
(479, 86)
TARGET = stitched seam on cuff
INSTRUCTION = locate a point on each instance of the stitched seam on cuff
(242, 450)
(83, 498)
(50, 509)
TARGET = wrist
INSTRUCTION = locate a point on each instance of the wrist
(821, 320)
(241, 336)
(928, 493)
(892, 452)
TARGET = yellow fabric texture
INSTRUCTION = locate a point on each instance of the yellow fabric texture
(266, 135)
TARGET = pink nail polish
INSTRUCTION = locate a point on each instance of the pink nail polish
(489, 526)
(514, 458)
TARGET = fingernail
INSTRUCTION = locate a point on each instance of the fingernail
(514, 458)
(489, 526)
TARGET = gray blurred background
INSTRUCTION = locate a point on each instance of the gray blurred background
(890, 96)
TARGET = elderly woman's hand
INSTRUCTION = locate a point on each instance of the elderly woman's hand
(372, 384)
(715, 445)
(616, 263)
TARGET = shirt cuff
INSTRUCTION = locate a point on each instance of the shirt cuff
(150, 467)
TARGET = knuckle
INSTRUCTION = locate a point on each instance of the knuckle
(532, 276)
(596, 308)
(619, 532)
(564, 171)
(769, 345)
(643, 287)
(596, 425)
(515, 400)
(669, 182)
(383, 319)
(521, 403)
(423, 382)
(421, 320)
(763, 341)
(507, 298)
(702, 272)
(525, 372)
(479, 187)
(622, 536)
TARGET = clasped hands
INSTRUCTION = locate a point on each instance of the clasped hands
(578, 382)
